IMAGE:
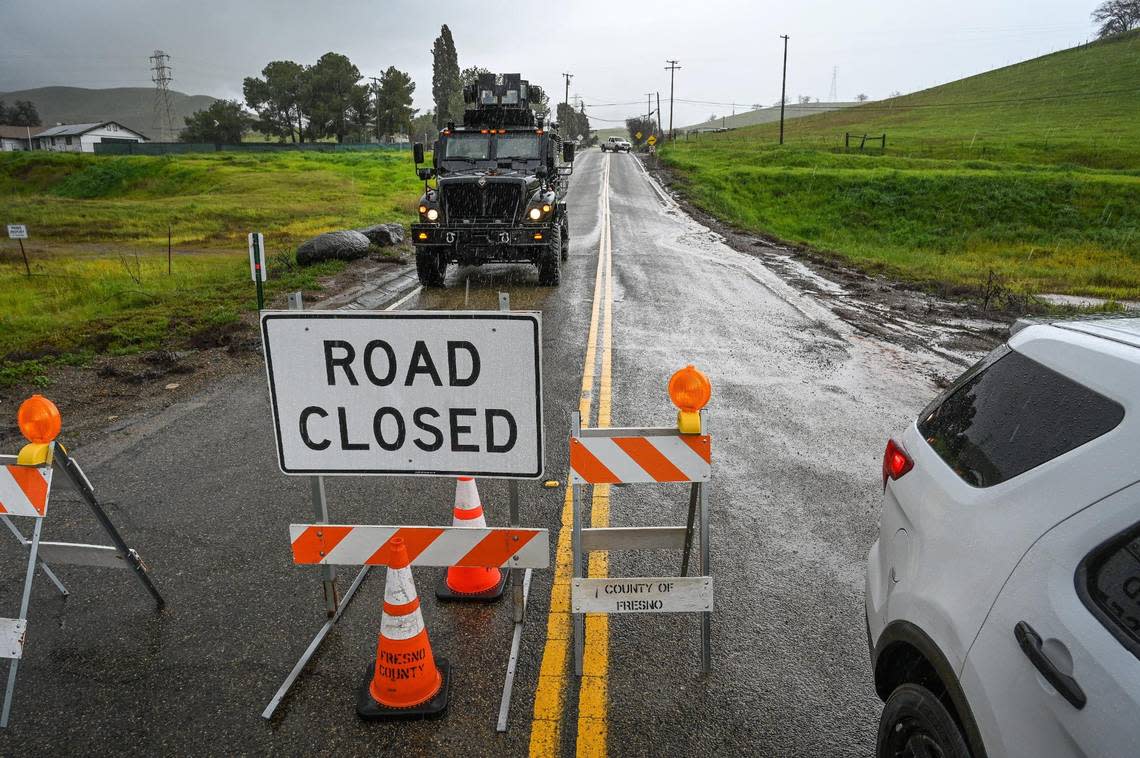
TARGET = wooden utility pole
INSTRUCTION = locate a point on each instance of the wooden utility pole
(783, 87)
(658, 111)
(567, 77)
(671, 68)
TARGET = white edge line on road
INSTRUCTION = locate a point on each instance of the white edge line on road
(404, 299)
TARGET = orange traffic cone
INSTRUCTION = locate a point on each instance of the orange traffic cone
(470, 582)
(407, 681)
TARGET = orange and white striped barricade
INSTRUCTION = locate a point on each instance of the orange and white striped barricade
(24, 493)
(641, 456)
(441, 546)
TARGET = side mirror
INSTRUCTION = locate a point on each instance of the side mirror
(418, 153)
(425, 173)
(568, 152)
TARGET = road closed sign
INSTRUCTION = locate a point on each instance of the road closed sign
(406, 393)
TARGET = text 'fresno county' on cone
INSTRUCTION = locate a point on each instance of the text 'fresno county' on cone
(470, 582)
(407, 681)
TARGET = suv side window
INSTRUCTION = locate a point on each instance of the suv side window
(1108, 581)
(1009, 414)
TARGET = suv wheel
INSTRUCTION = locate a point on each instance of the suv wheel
(915, 724)
(431, 266)
(548, 274)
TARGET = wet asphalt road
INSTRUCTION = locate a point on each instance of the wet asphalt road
(801, 408)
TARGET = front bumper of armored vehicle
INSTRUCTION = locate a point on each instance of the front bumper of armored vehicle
(483, 242)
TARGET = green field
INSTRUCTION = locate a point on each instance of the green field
(98, 249)
(1030, 174)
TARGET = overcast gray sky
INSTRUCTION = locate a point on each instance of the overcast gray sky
(729, 51)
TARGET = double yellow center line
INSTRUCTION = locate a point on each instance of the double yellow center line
(550, 696)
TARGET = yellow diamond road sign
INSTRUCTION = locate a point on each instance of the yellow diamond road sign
(652, 139)
(637, 136)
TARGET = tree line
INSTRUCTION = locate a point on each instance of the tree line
(1117, 17)
(298, 103)
(330, 99)
(22, 113)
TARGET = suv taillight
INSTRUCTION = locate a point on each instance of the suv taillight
(895, 462)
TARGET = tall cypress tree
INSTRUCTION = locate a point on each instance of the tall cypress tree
(446, 89)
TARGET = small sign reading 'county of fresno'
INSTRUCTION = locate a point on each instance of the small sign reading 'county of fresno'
(642, 594)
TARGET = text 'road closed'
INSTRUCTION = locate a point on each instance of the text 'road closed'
(406, 393)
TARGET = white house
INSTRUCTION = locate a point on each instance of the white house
(82, 138)
(18, 137)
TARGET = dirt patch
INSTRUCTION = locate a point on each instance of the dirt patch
(111, 390)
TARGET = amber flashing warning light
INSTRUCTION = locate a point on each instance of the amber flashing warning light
(39, 420)
(690, 390)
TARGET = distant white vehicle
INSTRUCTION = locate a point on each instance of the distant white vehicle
(1003, 591)
(616, 145)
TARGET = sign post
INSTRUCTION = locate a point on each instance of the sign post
(19, 232)
(257, 265)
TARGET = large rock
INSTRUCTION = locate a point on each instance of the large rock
(345, 246)
(384, 235)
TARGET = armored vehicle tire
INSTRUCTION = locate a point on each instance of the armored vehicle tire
(431, 266)
(548, 273)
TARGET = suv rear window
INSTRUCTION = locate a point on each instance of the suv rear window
(1108, 581)
(1009, 414)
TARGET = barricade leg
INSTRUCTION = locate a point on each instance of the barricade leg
(706, 617)
(328, 573)
(578, 619)
(694, 493)
(10, 690)
(79, 481)
(47, 569)
(312, 648)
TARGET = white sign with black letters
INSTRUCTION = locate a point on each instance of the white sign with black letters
(17, 232)
(406, 392)
(642, 594)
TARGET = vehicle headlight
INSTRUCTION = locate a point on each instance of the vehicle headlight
(432, 214)
(535, 213)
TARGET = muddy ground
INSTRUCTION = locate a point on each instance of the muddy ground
(112, 392)
(958, 325)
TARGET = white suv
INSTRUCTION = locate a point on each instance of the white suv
(1003, 591)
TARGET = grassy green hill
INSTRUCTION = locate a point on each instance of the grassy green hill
(1079, 106)
(131, 106)
(1029, 172)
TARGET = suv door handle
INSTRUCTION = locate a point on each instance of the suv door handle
(1030, 642)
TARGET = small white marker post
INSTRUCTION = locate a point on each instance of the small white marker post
(257, 269)
(19, 232)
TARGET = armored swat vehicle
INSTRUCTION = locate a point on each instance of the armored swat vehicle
(499, 193)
